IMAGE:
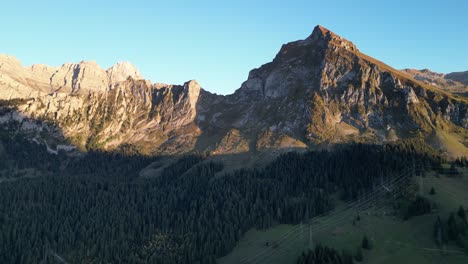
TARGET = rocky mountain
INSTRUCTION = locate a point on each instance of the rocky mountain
(316, 92)
(28, 82)
(453, 82)
(461, 77)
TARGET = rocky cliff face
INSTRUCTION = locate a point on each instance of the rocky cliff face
(132, 112)
(121, 71)
(321, 90)
(80, 78)
(17, 81)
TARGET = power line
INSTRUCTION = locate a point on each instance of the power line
(350, 206)
(344, 217)
(323, 226)
(319, 228)
(356, 205)
(58, 257)
(399, 180)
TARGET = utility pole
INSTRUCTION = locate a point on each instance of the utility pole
(302, 234)
(421, 192)
(421, 179)
(310, 236)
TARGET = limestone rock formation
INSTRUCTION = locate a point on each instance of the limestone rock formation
(19, 82)
(121, 71)
(83, 77)
(317, 91)
(79, 78)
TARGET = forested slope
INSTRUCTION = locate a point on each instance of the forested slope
(95, 208)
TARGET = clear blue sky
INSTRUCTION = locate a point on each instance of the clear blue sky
(219, 42)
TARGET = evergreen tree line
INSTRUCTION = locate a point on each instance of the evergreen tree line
(454, 229)
(325, 255)
(419, 206)
(18, 153)
(462, 161)
(96, 209)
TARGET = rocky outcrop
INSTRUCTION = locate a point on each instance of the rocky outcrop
(456, 82)
(317, 91)
(121, 71)
(79, 78)
(132, 112)
(461, 77)
(17, 81)
(21, 82)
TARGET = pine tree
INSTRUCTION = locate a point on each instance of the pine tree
(366, 244)
(452, 225)
(462, 213)
(439, 232)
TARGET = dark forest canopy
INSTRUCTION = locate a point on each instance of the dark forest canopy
(96, 209)
(325, 255)
(454, 229)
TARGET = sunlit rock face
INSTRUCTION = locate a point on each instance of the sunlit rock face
(122, 71)
(316, 91)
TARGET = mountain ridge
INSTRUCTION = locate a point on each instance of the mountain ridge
(316, 91)
(68, 78)
(455, 82)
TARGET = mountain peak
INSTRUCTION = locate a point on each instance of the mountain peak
(193, 89)
(192, 83)
(121, 71)
(326, 36)
(124, 64)
(9, 60)
(320, 32)
(84, 62)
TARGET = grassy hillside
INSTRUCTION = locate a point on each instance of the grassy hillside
(449, 143)
(394, 240)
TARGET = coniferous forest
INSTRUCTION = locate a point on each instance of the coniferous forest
(95, 208)
(325, 255)
(454, 230)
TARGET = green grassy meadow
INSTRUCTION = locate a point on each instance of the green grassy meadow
(393, 240)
